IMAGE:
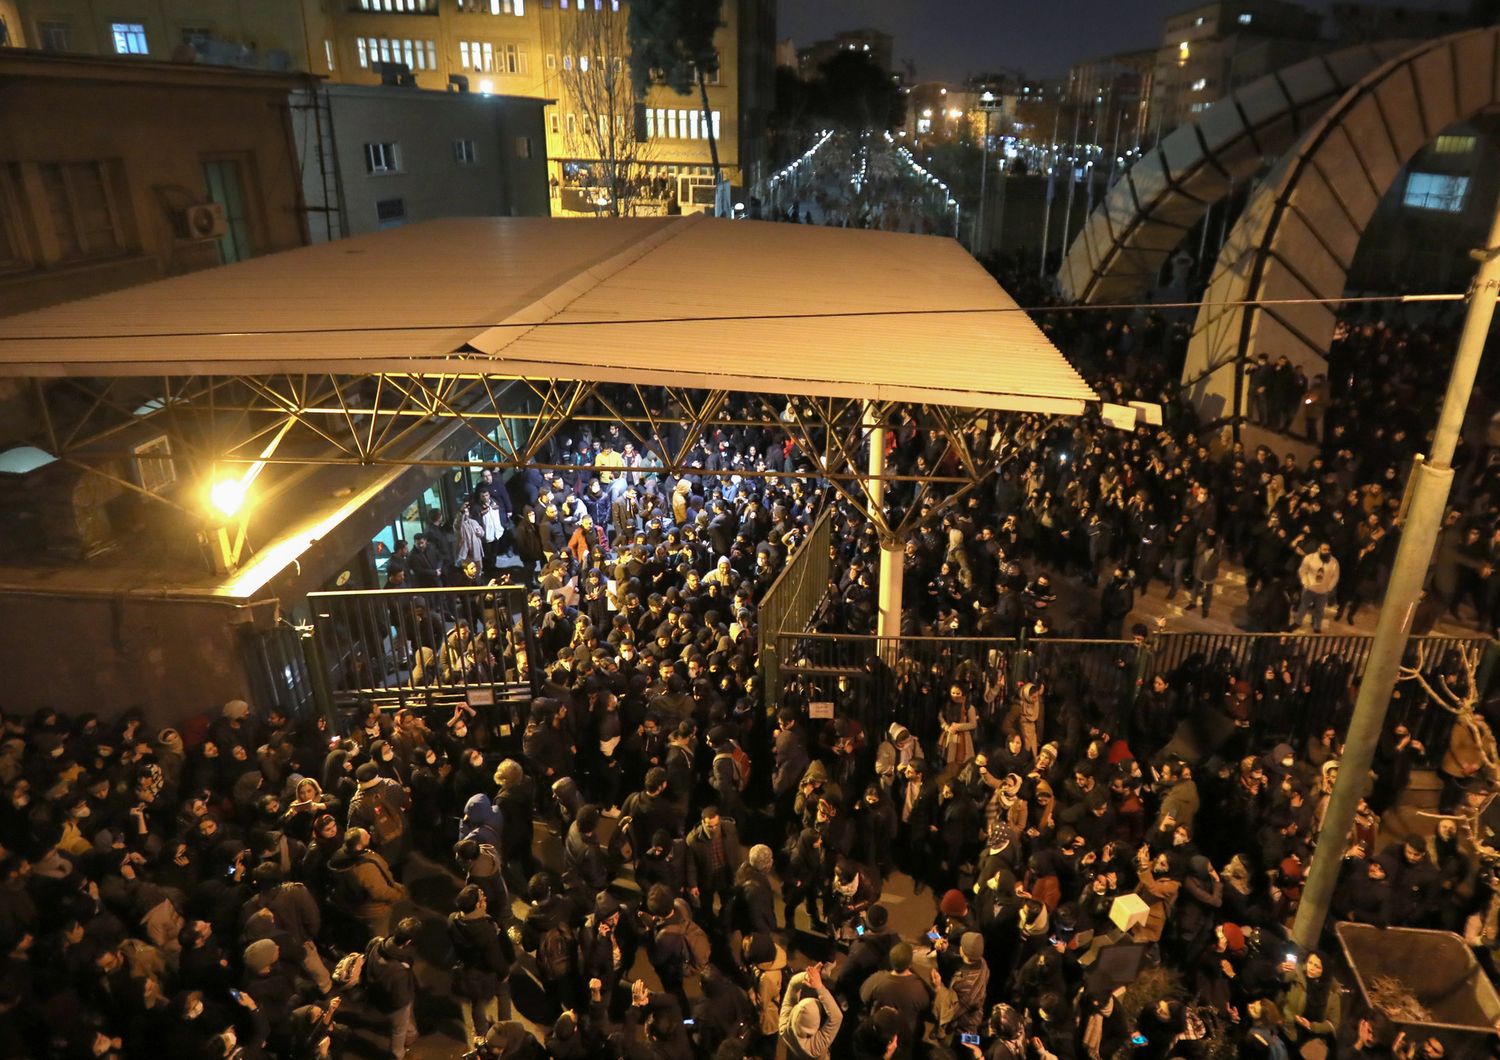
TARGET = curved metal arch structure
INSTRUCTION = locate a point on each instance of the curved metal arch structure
(1298, 233)
(1119, 252)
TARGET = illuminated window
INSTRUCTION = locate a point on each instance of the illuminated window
(129, 38)
(476, 55)
(1444, 192)
(1246, 18)
(1455, 145)
(465, 152)
(1200, 84)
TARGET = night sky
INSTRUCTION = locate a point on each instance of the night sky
(950, 39)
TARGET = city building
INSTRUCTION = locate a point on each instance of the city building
(491, 47)
(1209, 50)
(1119, 86)
(265, 34)
(376, 156)
(141, 170)
(552, 49)
(872, 42)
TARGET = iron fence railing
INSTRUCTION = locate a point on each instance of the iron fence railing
(792, 600)
(425, 647)
(1299, 683)
(277, 668)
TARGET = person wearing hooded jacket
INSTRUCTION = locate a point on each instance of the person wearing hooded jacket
(810, 1017)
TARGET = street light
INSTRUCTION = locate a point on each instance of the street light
(989, 104)
(227, 496)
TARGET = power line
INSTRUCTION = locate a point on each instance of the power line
(735, 317)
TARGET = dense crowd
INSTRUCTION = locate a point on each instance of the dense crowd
(1111, 870)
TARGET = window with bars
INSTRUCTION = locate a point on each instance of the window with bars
(80, 204)
(416, 54)
(155, 470)
(382, 158)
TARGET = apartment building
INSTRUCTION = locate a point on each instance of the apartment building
(533, 48)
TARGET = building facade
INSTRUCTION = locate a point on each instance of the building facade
(534, 48)
(374, 157)
(266, 34)
(143, 170)
(1208, 51)
(489, 47)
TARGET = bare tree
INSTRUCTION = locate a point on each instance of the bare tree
(597, 88)
(1459, 696)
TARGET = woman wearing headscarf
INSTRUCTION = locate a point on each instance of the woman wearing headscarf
(1311, 1004)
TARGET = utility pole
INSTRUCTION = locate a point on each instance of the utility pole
(1072, 180)
(986, 104)
(1428, 499)
(1051, 174)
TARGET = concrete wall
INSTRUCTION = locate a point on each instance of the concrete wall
(152, 127)
(171, 658)
(431, 182)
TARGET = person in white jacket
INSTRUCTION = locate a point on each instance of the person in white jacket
(809, 1024)
(1319, 575)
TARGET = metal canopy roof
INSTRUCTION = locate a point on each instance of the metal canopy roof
(689, 302)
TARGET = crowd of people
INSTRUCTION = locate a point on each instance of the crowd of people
(653, 863)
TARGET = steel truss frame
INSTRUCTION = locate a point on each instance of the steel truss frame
(287, 419)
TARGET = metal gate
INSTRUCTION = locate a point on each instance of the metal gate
(425, 647)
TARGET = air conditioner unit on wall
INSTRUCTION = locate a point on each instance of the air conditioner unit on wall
(205, 220)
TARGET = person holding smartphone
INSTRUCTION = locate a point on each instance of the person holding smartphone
(810, 1017)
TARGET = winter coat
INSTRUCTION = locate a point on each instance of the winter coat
(483, 956)
(388, 981)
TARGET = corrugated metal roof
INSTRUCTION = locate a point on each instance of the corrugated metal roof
(776, 308)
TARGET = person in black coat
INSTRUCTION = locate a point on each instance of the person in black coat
(483, 956)
(754, 902)
(390, 985)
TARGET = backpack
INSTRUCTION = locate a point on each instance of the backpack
(741, 762)
(696, 940)
(554, 951)
(387, 826)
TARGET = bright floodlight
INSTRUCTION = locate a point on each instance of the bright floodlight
(227, 496)
(486, 86)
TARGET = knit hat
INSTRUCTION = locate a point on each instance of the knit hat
(954, 904)
(606, 905)
(971, 947)
(760, 857)
(807, 1017)
(1234, 938)
(236, 710)
(260, 955)
(367, 774)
